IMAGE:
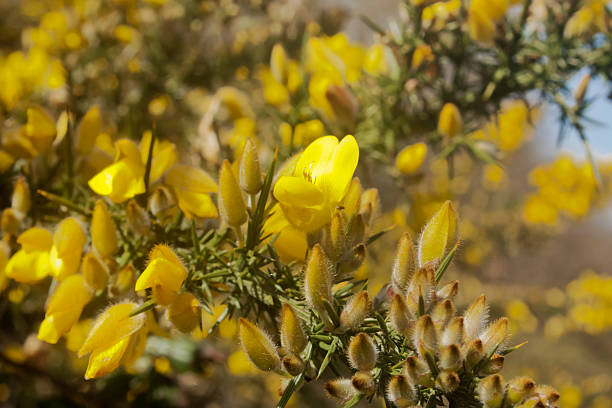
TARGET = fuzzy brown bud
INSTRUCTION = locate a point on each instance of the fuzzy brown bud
(340, 389)
(292, 335)
(448, 381)
(293, 364)
(355, 311)
(474, 317)
(453, 333)
(317, 280)
(425, 337)
(520, 388)
(400, 316)
(363, 382)
(493, 336)
(21, 200)
(404, 263)
(137, 218)
(401, 392)
(352, 198)
(450, 358)
(362, 352)
(491, 391)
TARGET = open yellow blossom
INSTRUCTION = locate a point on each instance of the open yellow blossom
(318, 183)
(124, 178)
(64, 308)
(192, 187)
(31, 263)
(291, 243)
(65, 255)
(164, 273)
(109, 339)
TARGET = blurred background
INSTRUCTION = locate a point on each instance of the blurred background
(536, 228)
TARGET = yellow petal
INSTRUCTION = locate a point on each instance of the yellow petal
(28, 267)
(340, 170)
(103, 230)
(40, 128)
(410, 159)
(190, 178)
(314, 159)
(164, 155)
(69, 237)
(105, 360)
(36, 239)
(88, 131)
(113, 325)
(120, 181)
(163, 273)
(297, 191)
(196, 204)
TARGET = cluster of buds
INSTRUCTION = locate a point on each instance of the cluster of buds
(520, 392)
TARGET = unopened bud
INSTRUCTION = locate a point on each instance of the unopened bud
(9, 222)
(21, 200)
(184, 312)
(363, 382)
(450, 358)
(448, 381)
(123, 280)
(443, 312)
(335, 236)
(581, 89)
(340, 389)
(417, 371)
(422, 284)
(293, 364)
(355, 311)
(404, 263)
(449, 122)
(520, 388)
(439, 234)
(425, 337)
(453, 333)
(494, 334)
(493, 366)
(354, 261)
(475, 317)
(357, 230)
(137, 218)
(448, 291)
(549, 394)
(369, 206)
(401, 392)
(103, 231)
(352, 198)
(474, 353)
(95, 273)
(400, 316)
(318, 280)
(410, 159)
(362, 352)
(249, 173)
(231, 204)
(292, 335)
(161, 202)
(258, 346)
(491, 391)
(343, 103)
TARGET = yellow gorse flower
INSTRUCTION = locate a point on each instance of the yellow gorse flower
(318, 183)
(64, 308)
(65, 255)
(110, 338)
(164, 273)
(410, 159)
(31, 263)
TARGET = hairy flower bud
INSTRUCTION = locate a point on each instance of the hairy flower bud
(161, 202)
(123, 280)
(293, 364)
(448, 381)
(343, 103)
(231, 204)
(474, 317)
(369, 206)
(494, 335)
(453, 333)
(443, 312)
(292, 335)
(355, 310)
(137, 218)
(352, 198)
(258, 346)
(425, 336)
(549, 394)
(491, 391)
(317, 280)
(449, 122)
(400, 315)
(439, 234)
(184, 312)
(21, 200)
(451, 358)
(335, 240)
(94, 272)
(448, 291)
(404, 263)
(103, 231)
(249, 173)
(9, 222)
(417, 371)
(401, 392)
(493, 366)
(362, 352)
(474, 353)
(340, 389)
(363, 382)
(520, 388)
(356, 231)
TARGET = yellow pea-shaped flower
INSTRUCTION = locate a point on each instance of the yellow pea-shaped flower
(109, 338)
(64, 308)
(65, 255)
(192, 187)
(439, 234)
(103, 231)
(164, 270)
(31, 263)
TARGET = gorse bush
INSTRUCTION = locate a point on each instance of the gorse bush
(168, 173)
